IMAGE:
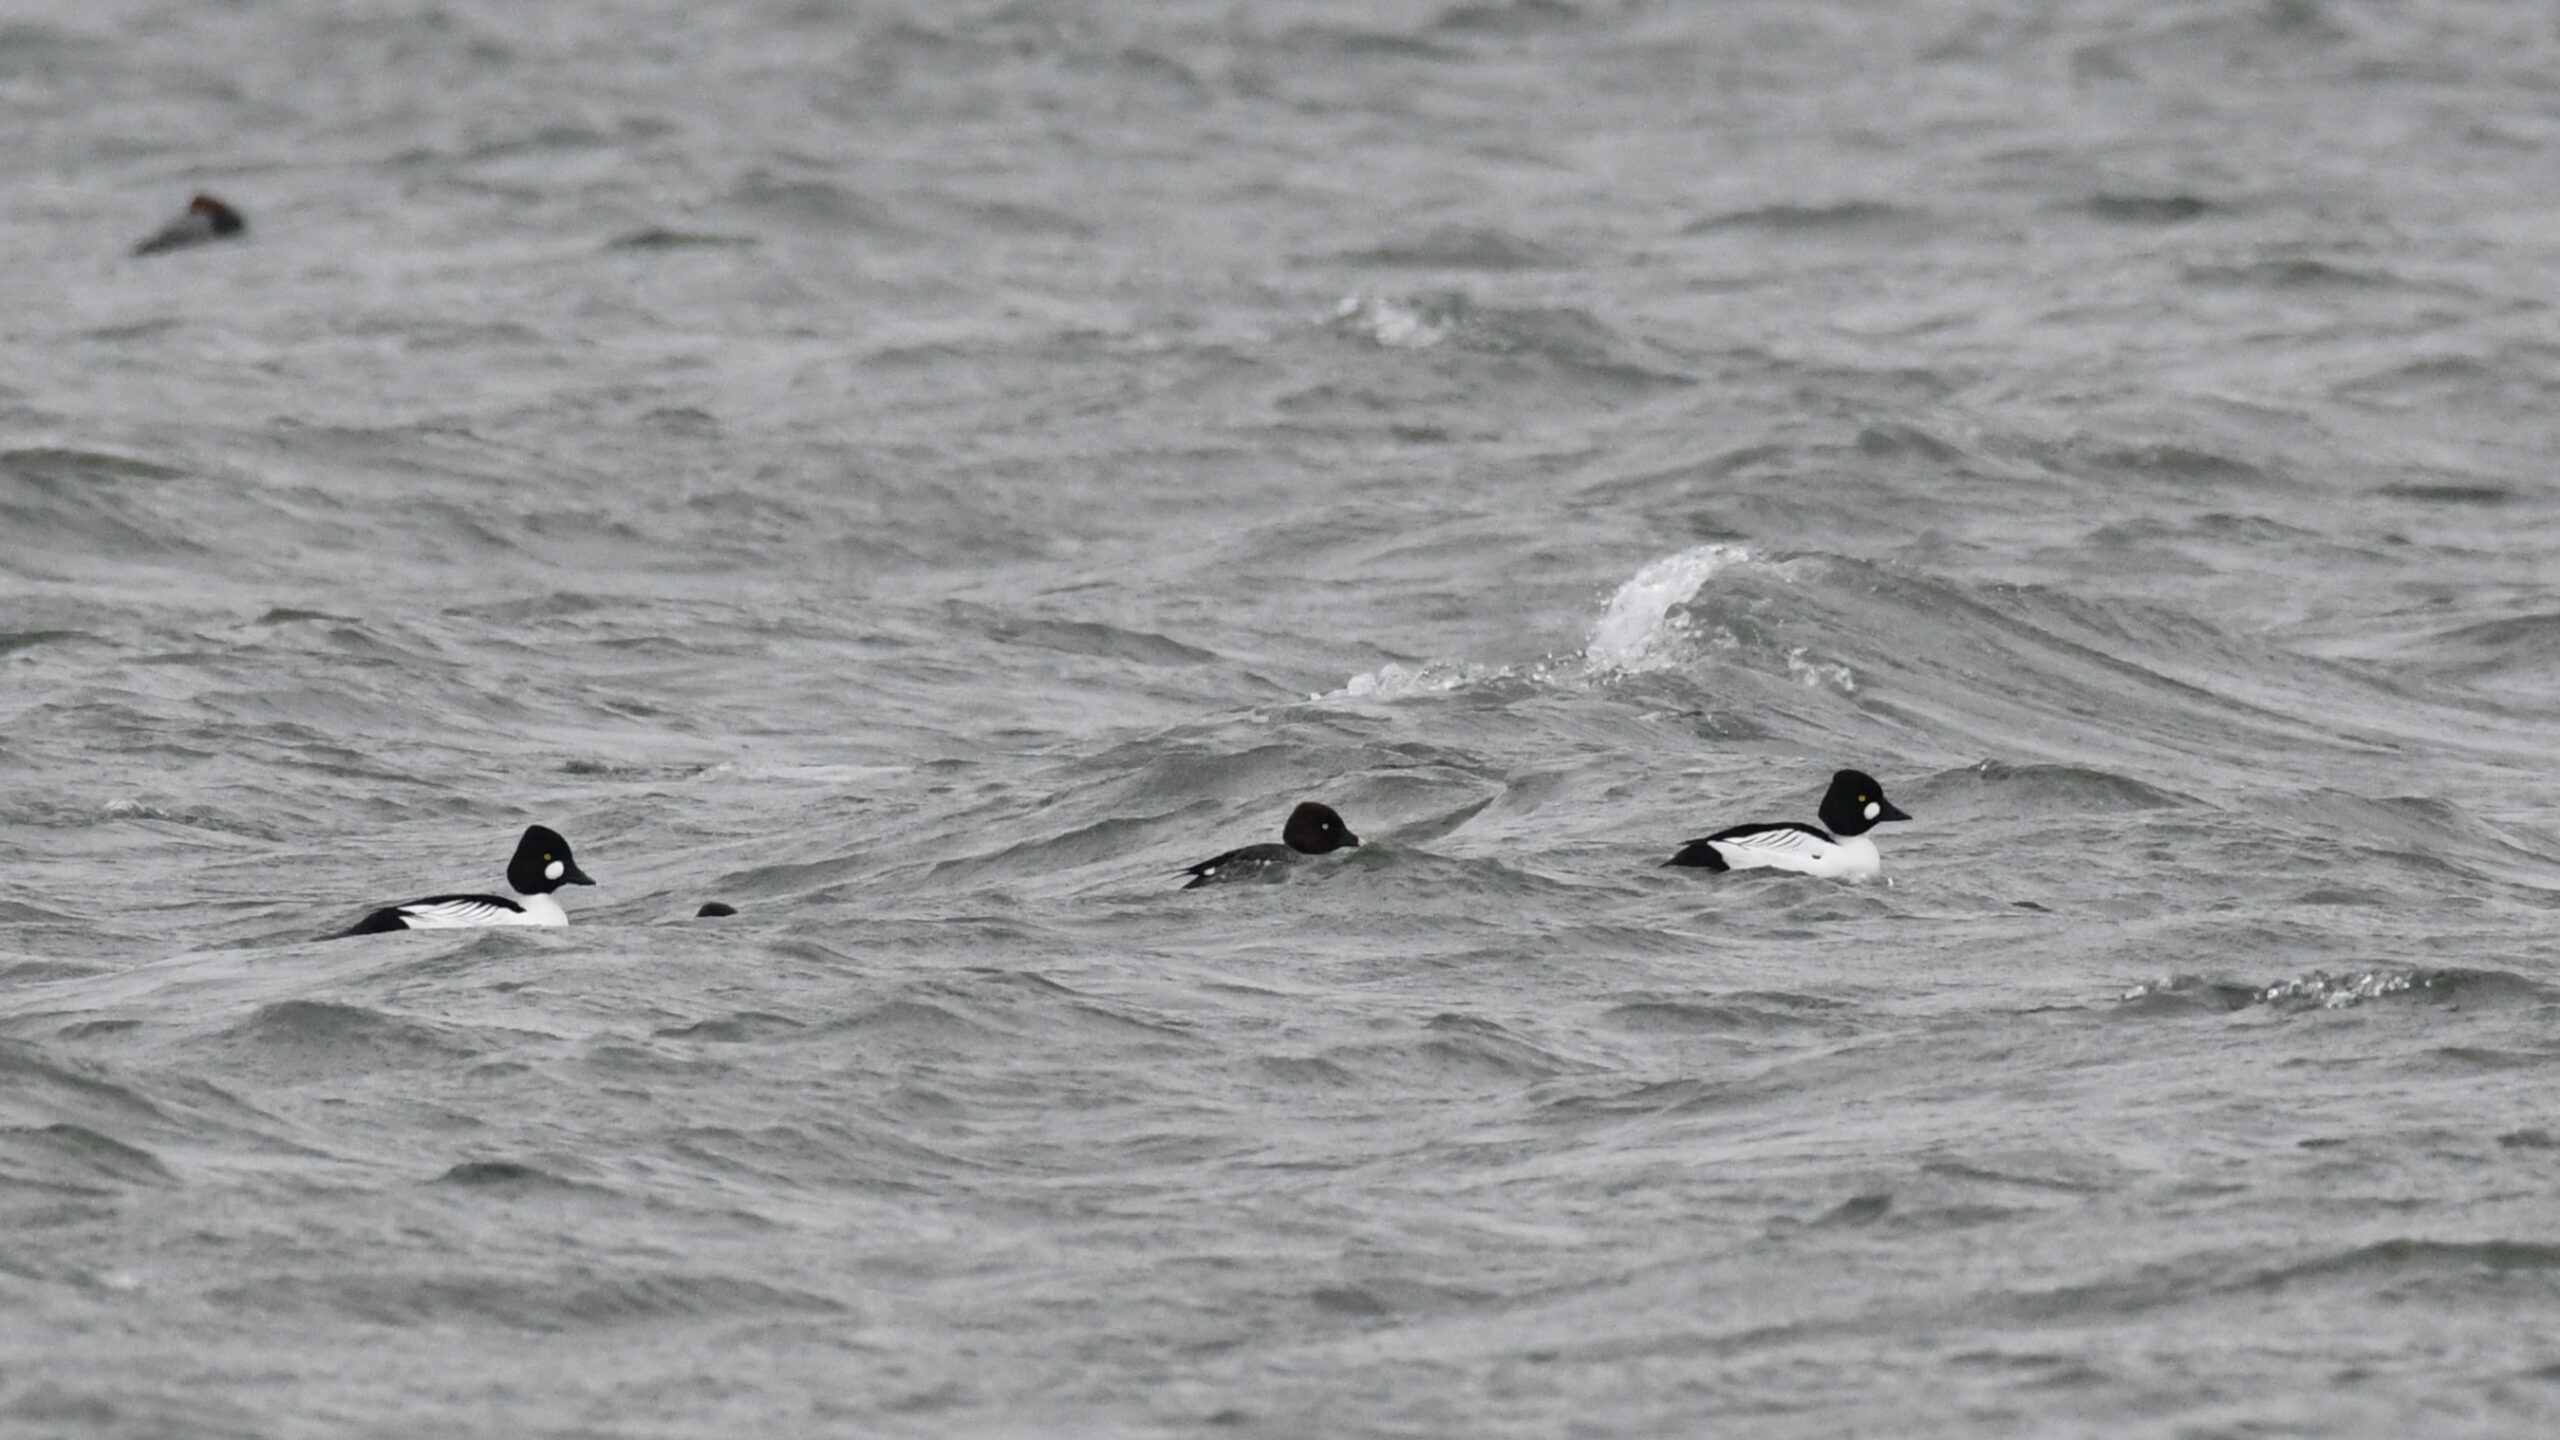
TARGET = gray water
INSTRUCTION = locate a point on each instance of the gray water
(923, 474)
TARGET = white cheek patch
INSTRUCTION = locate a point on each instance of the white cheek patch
(1873, 810)
(555, 869)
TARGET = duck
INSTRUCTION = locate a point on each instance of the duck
(1313, 829)
(541, 865)
(1837, 849)
(205, 218)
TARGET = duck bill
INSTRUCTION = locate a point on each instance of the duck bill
(1350, 840)
(1889, 812)
(576, 876)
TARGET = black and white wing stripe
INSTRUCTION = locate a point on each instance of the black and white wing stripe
(460, 912)
(1748, 847)
(442, 912)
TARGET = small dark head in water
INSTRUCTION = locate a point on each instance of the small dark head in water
(205, 218)
(1314, 829)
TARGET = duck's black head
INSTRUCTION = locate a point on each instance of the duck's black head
(223, 219)
(1314, 829)
(543, 863)
(1855, 804)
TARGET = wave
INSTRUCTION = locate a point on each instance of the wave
(1508, 17)
(528, 1301)
(1565, 342)
(1740, 1013)
(499, 1173)
(28, 639)
(2072, 709)
(2470, 1265)
(70, 1087)
(743, 1027)
(1644, 627)
(326, 1035)
(1453, 1048)
(1089, 638)
(1328, 43)
(2146, 209)
(58, 506)
(1798, 220)
(2325, 990)
(1396, 681)
(812, 204)
(1665, 618)
(1458, 248)
(659, 238)
(2508, 653)
(2466, 1260)
(74, 1158)
(1653, 623)
(2072, 790)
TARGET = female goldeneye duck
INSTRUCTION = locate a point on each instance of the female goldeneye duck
(1854, 805)
(542, 864)
(1313, 829)
(205, 218)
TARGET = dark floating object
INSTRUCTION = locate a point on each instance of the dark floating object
(205, 218)
(713, 910)
(1313, 829)
(1854, 805)
(542, 864)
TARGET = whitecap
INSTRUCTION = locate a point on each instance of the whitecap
(2321, 990)
(1644, 628)
(1396, 324)
(1640, 630)
(1392, 681)
(1814, 674)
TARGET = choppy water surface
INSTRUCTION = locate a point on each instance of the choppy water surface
(925, 473)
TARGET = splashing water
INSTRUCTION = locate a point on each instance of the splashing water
(1642, 630)
(1396, 324)
(1814, 674)
(2321, 990)
(2318, 990)
(1638, 632)
(1433, 677)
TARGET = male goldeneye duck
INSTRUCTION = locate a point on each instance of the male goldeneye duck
(1313, 829)
(1854, 805)
(205, 218)
(542, 864)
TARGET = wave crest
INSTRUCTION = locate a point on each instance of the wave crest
(1645, 627)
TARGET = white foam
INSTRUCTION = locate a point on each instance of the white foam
(1433, 677)
(1814, 674)
(1639, 632)
(1394, 324)
(2322, 990)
